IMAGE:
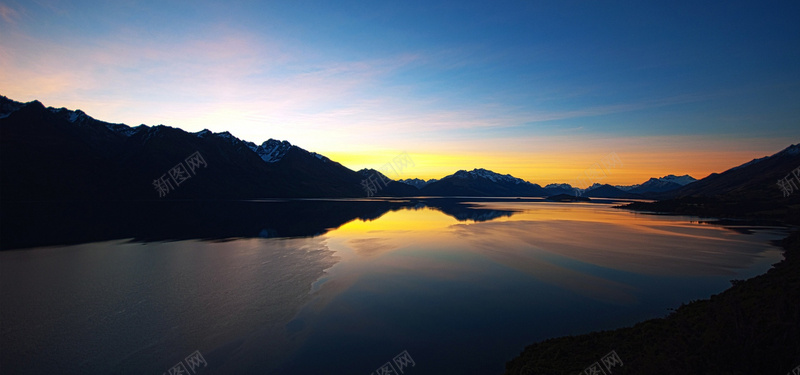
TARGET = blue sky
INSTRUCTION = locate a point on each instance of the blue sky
(538, 89)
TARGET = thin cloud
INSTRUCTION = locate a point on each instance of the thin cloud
(7, 14)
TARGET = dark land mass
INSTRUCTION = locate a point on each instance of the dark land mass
(56, 154)
(67, 178)
(767, 212)
(751, 328)
(482, 183)
(608, 191)
(61, 155)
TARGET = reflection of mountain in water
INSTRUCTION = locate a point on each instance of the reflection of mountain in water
(465, 212)
(35, 224)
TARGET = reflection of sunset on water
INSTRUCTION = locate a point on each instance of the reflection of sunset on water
(577, 247)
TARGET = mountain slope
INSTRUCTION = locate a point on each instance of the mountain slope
(751, 328)
(556, 189)
(752, 180)
(57, 154)
(375, 183)
(608, 191)
(482, 183)
(662, 184)
(417, 182)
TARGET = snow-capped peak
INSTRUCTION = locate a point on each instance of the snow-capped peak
(203, 133)
(8, 106)
(489, 175)
(559, 186)
(271, 150)
(320, 157)
(627, 187)
(417, 182)
(792, 150)
(126, 130)
(680, 180)
(77, 116)
(227, 135)
(594, 186)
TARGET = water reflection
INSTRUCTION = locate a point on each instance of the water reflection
(339, 286)
(450, 289)
(620, 240)
(115, 307)
(37, 224)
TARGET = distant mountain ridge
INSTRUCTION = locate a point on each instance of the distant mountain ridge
(384, 186)
(755, 179)
(59, 154)
(644, 190)
(271, 150)
(480, 182)
(64, 151)
(416, 182)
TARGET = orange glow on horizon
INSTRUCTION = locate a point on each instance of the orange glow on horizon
(543, 169)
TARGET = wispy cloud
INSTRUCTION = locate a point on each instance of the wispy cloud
(234, 79)
(8, 14)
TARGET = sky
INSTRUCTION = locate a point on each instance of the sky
(542, 90)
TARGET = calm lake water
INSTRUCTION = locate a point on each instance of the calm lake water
(461, 288)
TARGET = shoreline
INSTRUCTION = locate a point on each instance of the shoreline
(751, 327)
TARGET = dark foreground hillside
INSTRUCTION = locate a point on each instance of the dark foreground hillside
(751, 328)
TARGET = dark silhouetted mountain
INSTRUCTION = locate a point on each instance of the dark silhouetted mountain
(748, 191)
(756, 179)
(556, 189)
(416, 182)
(58, 154)
(384, 186)
(482, 183)
(653, 185)
(751, 328)
(708, 335)
(662, 184)
(270, 151)
(608, 191)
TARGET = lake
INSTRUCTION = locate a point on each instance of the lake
(445, 286)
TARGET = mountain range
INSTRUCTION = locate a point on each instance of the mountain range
(645, 190)
(59, 154)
